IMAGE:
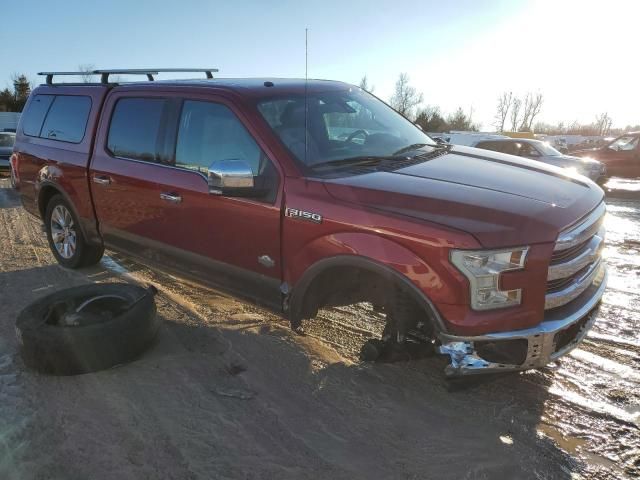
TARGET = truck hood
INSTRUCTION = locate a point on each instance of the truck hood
(500, 199)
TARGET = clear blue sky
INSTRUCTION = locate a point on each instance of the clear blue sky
(460, 53)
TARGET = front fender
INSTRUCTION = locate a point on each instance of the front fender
(437, 279)
(298, 294)
(432, 283)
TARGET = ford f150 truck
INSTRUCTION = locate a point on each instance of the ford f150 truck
(305, 194)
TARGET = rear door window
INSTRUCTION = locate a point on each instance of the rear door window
(34, 116)
(135, 130)
(67, 119)
(487, 146)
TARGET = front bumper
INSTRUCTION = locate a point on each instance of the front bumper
(562, 329)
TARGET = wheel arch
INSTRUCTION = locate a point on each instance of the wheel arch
(300, 295)
(46, 191)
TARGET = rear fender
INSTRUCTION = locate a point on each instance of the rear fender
(48, 184)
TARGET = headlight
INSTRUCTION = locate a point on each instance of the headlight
(483, 269)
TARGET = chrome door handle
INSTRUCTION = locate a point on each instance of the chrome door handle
(171, 197)
(102, 180)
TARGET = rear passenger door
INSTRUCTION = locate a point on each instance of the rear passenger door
(152, 197)
(127, 164)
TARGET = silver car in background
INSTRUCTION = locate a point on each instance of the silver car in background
(534, 150)
(7, 139)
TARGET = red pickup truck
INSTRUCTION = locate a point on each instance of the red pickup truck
(621, 156)
(305, 194)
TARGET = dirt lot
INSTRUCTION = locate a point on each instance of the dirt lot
(230, 392)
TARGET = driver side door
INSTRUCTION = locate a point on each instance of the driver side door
(232, 240)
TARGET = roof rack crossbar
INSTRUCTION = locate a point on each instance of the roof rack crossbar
(149, 72)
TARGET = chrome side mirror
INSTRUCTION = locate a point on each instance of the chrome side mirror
(229, 177)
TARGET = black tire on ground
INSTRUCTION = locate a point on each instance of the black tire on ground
(85, 254)
(69, 350)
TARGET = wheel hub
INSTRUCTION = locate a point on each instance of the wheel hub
(63, 232)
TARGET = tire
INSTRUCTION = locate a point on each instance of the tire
(59, 220)
(70, 350)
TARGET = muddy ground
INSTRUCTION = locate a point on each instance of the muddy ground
(230, 392)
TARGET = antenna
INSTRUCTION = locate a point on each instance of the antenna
(306, 53)
(306, 106)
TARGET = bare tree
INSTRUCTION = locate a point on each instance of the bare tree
(364, 85)
(86, 69)
(515, 113)
(532, 107)
(504, 104)
(603, 124)
(405, 98)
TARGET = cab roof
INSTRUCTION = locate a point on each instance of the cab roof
(255, 87)
(246, 87)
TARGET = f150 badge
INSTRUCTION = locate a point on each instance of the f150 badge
(303, 215)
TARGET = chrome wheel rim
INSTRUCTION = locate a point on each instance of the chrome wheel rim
(63, 232)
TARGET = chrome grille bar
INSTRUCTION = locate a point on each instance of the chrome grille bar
(583, 230)
(577, 259)
(579, 285)
(590, 253)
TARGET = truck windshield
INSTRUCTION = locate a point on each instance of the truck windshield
(340, 125)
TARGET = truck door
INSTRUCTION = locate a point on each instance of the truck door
(622, 157)
(152, 197)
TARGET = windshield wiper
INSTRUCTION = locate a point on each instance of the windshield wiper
(363, 160)
(411, 147)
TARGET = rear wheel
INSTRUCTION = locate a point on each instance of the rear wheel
(65, 236)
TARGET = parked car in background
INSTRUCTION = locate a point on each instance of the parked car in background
(7, 139)
(9, 121)
(621, 156)
(560, 144)
(302, 195)
(542, 152)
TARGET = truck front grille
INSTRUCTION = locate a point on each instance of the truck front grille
(576, 259)
(562, 256)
